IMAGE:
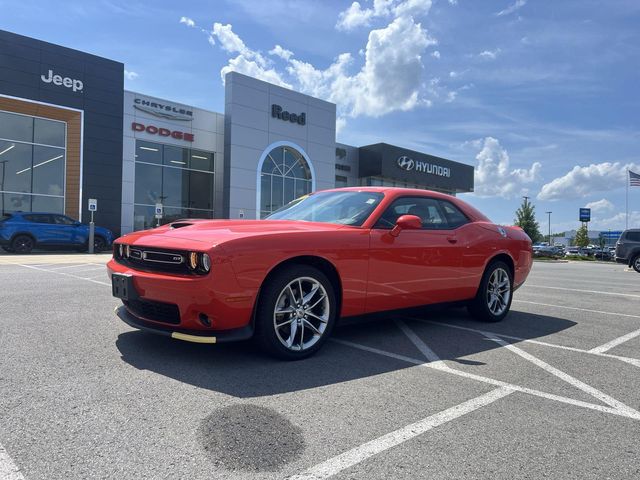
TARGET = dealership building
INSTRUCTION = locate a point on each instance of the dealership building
(69, 132)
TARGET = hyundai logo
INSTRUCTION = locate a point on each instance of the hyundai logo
(406, 163)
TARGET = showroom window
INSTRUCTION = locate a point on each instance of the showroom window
(181, 179)
(285, 176)
(32, 163)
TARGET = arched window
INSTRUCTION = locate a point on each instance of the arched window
(285, 176)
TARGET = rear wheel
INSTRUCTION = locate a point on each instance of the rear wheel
(22, 244)
(493, 299)
(635, 263)
(296, 313)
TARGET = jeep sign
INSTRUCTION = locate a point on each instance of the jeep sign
(72, 83)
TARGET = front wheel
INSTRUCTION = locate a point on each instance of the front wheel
(493, 299)
(635, 263)
(296, 313)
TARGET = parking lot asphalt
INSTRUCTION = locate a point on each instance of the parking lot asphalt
(551, 392)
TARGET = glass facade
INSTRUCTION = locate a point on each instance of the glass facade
(181, 179)
(284, 177)
(32, 163)
(389, 182)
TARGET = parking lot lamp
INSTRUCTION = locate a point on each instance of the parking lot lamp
(549, 213)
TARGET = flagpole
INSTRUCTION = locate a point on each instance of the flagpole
(626, 225)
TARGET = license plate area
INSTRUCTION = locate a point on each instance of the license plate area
(122, 286)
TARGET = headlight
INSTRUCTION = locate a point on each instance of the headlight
(193, 260)
(120, 250)
(127, 251)
(205, 262)
(198, 262)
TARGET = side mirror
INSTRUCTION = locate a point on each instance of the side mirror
(406, 222)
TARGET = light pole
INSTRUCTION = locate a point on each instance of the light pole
(549, 213)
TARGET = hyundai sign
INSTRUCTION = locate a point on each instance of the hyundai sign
(585, 214)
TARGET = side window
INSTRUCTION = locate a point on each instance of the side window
(455, 218)
(38, 218)
(62, 220)
(428, 209)
(633, 236)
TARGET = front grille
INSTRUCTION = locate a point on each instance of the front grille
(156, 311)
(154, 259)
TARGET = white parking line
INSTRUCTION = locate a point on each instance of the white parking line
(630, 361)
(67, 266)
(579, 384)
(579, 309)
(490, 381)
(615, 342)
(8, 469)
(584, 291)
(65, 274)
(367, 450)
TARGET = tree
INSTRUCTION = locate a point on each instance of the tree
(526, 219)
(582, 236)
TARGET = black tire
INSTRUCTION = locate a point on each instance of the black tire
(22, 244)
(99, 244)
(484, 306)
(635, 263)
(275, 292)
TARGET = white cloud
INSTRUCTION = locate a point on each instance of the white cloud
(249, 62)
(129, 75)
(187, 21)
(489, 54)
(356, 16)
(435, 54)
(600, 206)
(512, 8)
(616, 222)
(283, 53)
(389, 80)
(495, 178)
(580, 181)
(453, 2)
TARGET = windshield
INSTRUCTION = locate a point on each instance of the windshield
(342, 207)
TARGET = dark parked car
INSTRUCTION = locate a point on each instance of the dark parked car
(603, 254)
(21, 232)
(628, 248)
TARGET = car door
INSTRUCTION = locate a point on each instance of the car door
(68, 231)
(417, 267)
(41, 226)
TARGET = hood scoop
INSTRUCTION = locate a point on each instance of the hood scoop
(180, 225)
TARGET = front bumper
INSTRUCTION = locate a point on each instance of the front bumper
(194, 336)
(216, 295)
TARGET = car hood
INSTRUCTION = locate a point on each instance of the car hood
(198, 234)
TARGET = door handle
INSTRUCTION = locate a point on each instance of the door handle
(452, 239)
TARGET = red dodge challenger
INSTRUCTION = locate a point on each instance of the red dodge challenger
(286, 280)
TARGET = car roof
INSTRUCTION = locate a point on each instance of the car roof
(468, 209)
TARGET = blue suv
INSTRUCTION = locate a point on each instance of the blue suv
(21, 232)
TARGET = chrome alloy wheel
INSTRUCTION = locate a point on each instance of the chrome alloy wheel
(498, 291)
(636, 264)
(301, 313)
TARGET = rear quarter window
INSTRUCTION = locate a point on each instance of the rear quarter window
(632, 236)
(5, 216)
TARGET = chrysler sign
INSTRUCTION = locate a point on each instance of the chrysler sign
(409, 164)
(163, 110)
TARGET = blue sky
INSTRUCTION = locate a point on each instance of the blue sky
(540, 96)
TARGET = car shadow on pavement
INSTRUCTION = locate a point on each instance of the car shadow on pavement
(241, 370)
